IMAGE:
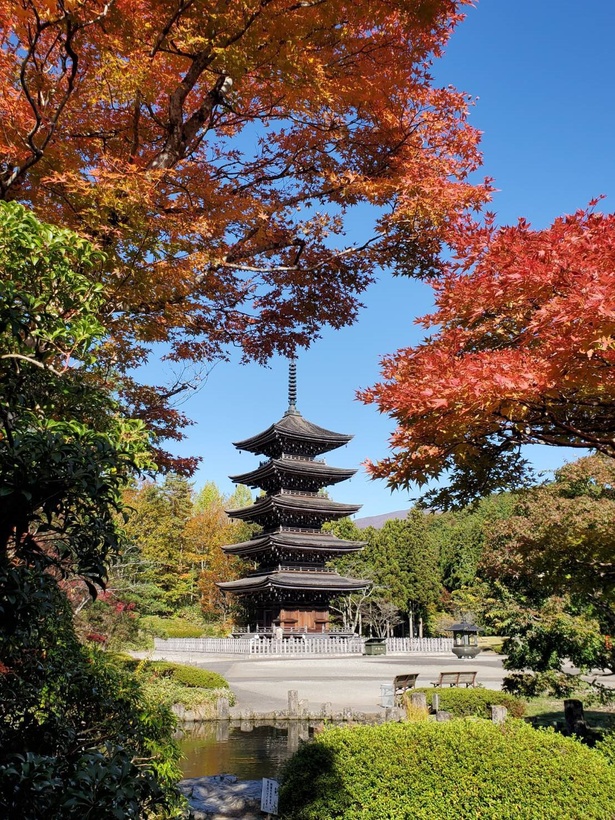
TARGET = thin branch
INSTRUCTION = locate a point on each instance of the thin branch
(33, 361)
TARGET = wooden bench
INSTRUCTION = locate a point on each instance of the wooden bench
(401, 684)
(456, 679)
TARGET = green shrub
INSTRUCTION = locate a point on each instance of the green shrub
(173, 683)
(606, 746)
(463, 769)
(170, 627)
(169, 692)
(473, 702)
(203, 678)
(185, 675)
(79, 736)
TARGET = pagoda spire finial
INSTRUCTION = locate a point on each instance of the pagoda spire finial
(292, 386)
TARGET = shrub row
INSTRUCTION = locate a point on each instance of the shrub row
(190, 676)
(170, 627)
(472, 702)
(463, 769)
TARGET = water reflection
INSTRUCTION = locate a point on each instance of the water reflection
(248, 749)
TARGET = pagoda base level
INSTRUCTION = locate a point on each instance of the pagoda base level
(333, 634)
(279, 620)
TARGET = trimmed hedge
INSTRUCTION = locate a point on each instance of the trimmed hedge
(460, 770)
(191, 675)
(472, 702)
(170, 627)
(606, 746)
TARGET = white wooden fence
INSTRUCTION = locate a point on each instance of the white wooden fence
(298, 646)
(444, 645)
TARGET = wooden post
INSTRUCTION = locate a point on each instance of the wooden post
(435, 702)
(293, 703)
(574, 715)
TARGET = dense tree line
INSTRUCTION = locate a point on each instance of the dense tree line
(535, 566)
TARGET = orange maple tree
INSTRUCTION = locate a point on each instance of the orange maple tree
(217, 152)
(523, 353)
(207, 531)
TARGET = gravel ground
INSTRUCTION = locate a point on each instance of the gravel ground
(261, 684)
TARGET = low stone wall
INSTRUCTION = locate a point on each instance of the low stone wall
(297, 711)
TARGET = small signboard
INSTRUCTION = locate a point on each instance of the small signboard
(387, 695)
(269, 796)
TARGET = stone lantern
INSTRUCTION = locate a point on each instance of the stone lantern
(465, 640)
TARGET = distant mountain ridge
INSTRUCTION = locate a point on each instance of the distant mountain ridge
(377, 521)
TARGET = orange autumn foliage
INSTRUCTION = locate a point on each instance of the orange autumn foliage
(217, 152)
(523, 353)
(206, 533)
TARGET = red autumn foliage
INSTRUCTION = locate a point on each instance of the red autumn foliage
(96, 637)
(522, 352)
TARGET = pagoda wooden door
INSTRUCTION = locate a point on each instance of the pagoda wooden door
(305, 620)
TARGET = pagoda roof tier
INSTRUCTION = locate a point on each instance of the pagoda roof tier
(293, 510)
(298, 472)
(294, 435)
(321, 545)
(294, 580)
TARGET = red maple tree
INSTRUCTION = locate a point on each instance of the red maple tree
(522, 353)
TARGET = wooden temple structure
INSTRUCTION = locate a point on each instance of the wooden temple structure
(290, 586)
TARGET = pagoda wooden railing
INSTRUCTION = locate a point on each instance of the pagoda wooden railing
(300, 458)
(306, 530)
(293, 568)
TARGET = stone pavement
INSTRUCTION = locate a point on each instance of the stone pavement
(261, 683)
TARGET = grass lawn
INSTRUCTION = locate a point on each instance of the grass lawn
(548, 711)
(491, 643)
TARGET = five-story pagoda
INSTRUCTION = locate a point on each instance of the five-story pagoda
(291, 586)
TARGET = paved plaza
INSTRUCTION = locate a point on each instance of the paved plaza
(261, 683)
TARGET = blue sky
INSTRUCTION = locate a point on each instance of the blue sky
(542, 73)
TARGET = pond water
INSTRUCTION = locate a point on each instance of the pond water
(248, 749)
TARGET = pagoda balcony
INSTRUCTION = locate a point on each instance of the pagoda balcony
(319, 568)
(292, 457)
(301, 530)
